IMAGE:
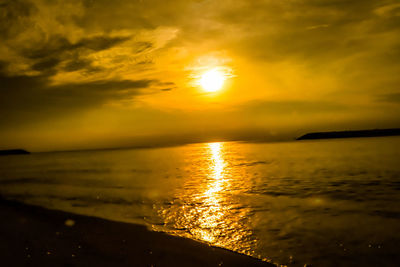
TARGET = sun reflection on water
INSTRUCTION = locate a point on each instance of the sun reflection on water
(212, 211)
(217, 169)
(208, 206)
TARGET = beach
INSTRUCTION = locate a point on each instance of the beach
(35, 236)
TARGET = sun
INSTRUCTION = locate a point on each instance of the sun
(212, 80)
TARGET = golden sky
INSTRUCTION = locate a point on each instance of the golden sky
(86, 74)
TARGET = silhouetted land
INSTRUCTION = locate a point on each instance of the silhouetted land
(13, 152)
(34, 236)
(350, 134)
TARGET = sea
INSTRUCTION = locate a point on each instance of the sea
(317, 202)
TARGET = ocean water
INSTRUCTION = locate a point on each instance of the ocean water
(325, 202)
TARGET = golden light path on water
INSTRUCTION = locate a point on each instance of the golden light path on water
(209, 205)
(212, 211)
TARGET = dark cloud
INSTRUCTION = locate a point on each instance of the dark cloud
(99, 43)
(143, 46)
(26, 98)
(48, 47)
(46, 64)
(390, 98)
(78, 64)
(30, 97)
(134, 14)
(14, 17)
(75, 63)
(57, 48)
(13, 84)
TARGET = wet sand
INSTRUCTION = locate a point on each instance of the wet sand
(34, 236)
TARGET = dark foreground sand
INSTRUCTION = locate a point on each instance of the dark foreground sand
(34, 236)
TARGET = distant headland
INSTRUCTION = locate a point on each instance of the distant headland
(350, 134)
(13, 152)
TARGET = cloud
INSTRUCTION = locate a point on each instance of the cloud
(30, 99)
(58, 45)
(55, 63)
(388, 9)
(14, 17)
(56, 37)
(75, 64)
(58, 50)
(389, 98)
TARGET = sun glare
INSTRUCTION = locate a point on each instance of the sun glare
(212, 80)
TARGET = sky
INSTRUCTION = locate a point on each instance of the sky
(88, 74)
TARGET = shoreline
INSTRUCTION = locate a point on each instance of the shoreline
(36, 236)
